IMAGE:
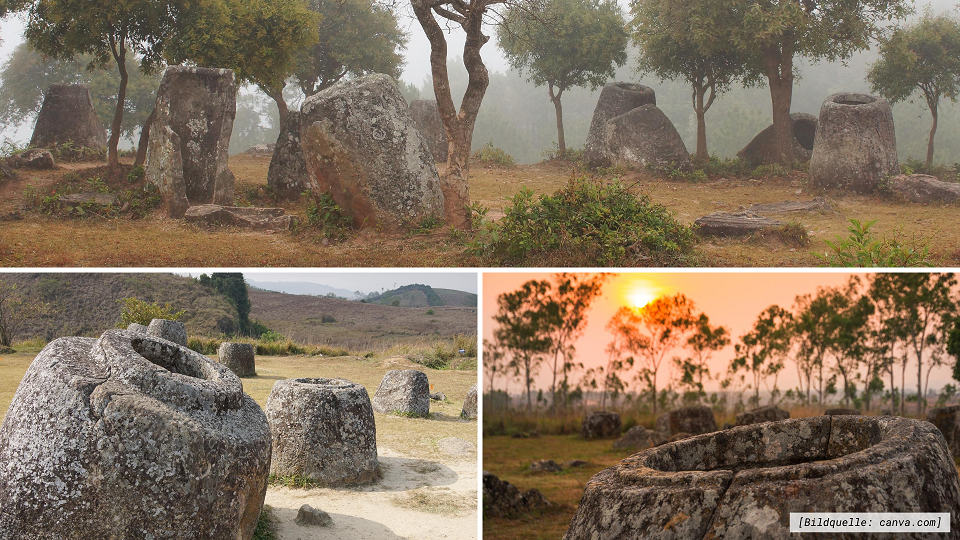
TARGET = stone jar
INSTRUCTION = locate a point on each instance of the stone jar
(323, 429)
(762, 149)
(131, 436)
(239, 357)
(173, 331)
(403, 392)
(745, 481)
(426, 116)
(600, 425)
(615, 99)
(67, 116)
(692, 420)
(469, 410)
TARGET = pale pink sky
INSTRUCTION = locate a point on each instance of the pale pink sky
(732, 299)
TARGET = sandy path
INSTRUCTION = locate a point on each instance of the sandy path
(421, 497)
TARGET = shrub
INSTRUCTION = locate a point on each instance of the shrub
(571, 155)
(326, 217)
(492, 156)
(861, 249)
(585, 224)
(327, 319)
(140, 312)
(770, 170)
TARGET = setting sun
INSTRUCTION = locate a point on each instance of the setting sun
(640, 296)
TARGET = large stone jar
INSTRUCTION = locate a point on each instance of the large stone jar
(856, 145)
(239, 357)
(763, 148)
(323, 429)
(67, 116)
(744, 482)
(131, 436)
(615, 99)
(405, 392)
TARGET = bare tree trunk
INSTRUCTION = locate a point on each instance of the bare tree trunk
(144, 139)
(933, 133)
(558, 107)
(119, 51)
(778, 64)
(277, 96)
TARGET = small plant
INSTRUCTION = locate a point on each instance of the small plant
(410, 414)
(140, 312)
(478, 214)
(492, 156)
(571, 155)
(427, 225)
(430, 311)
(771, 170)
(327, 319)
(861, 249)
(326, 217)
(265, 529)
(793, 234)
(135, 174)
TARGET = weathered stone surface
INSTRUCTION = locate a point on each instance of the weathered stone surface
(239, 357)
(615, 99)
(309, 516)
(89, 197)
(734, 224)
(438, 396)
(924, 189)
(361, 147)
(323, 429)
(503, 499)
(947, 420)
(856, 145)
(817, 204)
(544, 465)
(34, 158)
(67, 116)
(638, 438)
(679, 436)
(7, 172)
(600, 425)
(426, 116)
(260, 150)
(770, 413)
(403, 392)
(470, 404)
(173, 331)
(257, 219)
(744, 482)
(130, 436)
(642, 137)
(287, 176)
(832, 412)
(762, 149)
(694, 420)
(190, 136)
(137, 327)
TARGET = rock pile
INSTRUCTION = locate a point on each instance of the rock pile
(258, 219)
(403, 392)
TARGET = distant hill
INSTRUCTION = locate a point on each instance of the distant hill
(88, 304)
(418, 295)
(300, 287)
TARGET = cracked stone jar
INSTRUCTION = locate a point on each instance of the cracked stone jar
(323, 429)
(744, 482)
(131, 436)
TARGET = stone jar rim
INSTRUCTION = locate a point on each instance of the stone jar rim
(167, 371)
(329, 383)
(852, 100)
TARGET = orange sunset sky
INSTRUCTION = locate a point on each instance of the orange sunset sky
(731, 299)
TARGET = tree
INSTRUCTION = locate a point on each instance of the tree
(953, 348)
(775, 33)
(811, 332)
(520, 330)
(705, 341)
(494, 364)
(565, 44)
(142, 312)
(234, 287)
(924, 56)
(15, 311)
(689, 40)
(761, 350)
(848, 333)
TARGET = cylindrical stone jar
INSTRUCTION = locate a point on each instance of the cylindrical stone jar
(855, 148)
(173, 331)
(131, 436)
(744, 482)
(615, 99)
(239, 357)
(405, 392)
(323, 429)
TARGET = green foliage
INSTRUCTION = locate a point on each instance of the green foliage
(445, 354)
(140, 312)
(326, 217)
(234, 288)
(269, 344)
(492, 156)
(953, 348)
(861, 249)
(585, 224)
(265, 529)
(770, 170)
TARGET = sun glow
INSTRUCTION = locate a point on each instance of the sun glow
(640, 296)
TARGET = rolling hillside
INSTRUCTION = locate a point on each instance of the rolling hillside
(418, 295)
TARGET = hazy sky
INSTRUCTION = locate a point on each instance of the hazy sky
(731, 299)
(368, 281)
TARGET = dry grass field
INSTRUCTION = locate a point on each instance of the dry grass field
(39, 240)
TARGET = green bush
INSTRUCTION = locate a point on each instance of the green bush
(326, 217)
(492, 156)
(585, 224)
(770, 170)
(861, 249)
(265, 529)
(140, 312)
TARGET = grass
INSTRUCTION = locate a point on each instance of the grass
(434, 501)
(265, 525)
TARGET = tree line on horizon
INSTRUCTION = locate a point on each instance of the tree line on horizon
(852, 342)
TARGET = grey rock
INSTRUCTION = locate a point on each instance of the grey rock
(856, 145)
(574, 463)
(770, 413)
(287, 176)
(362, 148)
(544, 465)
(762, 149)
(924, 189)
(817, 204)
(600, 425)
(404, 392)
(309, 516)
(503, 499)
(67, 116)
(131, 436)
(190, 136)
(744, 482)
(248, 217)
(693, 420)
(438, 396)
(323, 429)
(638, 438)
(832, 412)
(426, 116)
(239, 357)
(470, 404)
(89, 197)
(615, 99)
(734, 224)
(947, 420)
(173, 331)
(137, 327)
(643, 137)
(7, 172)
(34, 158)
(260, 150)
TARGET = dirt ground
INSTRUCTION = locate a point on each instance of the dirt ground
(429, 488)
(33, 240)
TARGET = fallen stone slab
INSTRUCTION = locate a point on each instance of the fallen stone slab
(924, 189)
(744, 482)
(260, 150)
(258, 219)
(817, 204)
(309, 516)
(88, 197)
(503, 499)
(35, 158)
(438, 396)
(734, 224)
